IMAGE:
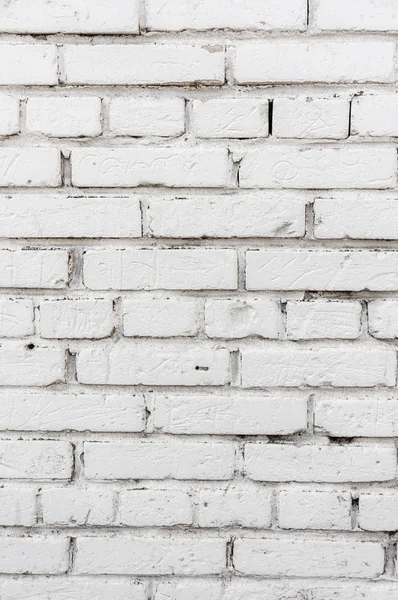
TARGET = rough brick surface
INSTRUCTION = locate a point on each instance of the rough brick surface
(198, 300)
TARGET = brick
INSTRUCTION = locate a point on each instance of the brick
(71, 588)
(271, 215)
(18, 506)
(9, 115)
(16, 317)
(339, 366)
(378, 510)
(35, 460)
(68, 217)
(34, 268)
(77, 318)
(59, 411)
(334, 464)
(39, 365)
(135, 363)
(383, 319)
(328, 270)
(39, 555)
(146, 64)
(155, 508)
(143, 459)
(315, 509)
(375, 116)
(365, 217)
(24, 167)
(70, 506)
(235, 506)
(311, 118)
(132, 167)
(319, 168)
(225, 14)
(145, 116)
(160, 317)
(230, 118)
(316, 61)
(64, 117)
(89, 16)
(240, 318)
(357, 15)
(308, 557)
(186, 589)
(159, 556)
(348, 415)
(276, 414)
(168, 269)
(28, 64)
(323, 319)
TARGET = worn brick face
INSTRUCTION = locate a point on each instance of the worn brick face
(198, 299)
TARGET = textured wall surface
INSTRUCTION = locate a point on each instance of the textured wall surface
(199, 299)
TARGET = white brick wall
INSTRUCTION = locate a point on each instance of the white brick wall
(198, 299)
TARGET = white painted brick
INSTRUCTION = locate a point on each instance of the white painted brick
(35, 167)
(357, 15)
(146, 64)
(77, 318)
(375, 116)
(28, 64)
(143, 363)
(155, 508)
(35, 460)
(168, 167)
(67, 217)
(178, 15)
(230, 118)
(146, 116)
(71, 588)
(39, 555)
(317, 61)
(310, 118)
(73, 16)
(70, 506)
(237, 505)
(282, 589)
(378, 510)
(270, 215)
(367, 415)
(16, 317)
(58, 411)
(286, 462)
(383, 319)
(9, 114)
(319, 168)
(159, 556)
(168, 269)
(272, 365)
(321, 270)
(240, 318)
(365, 217)
(34, 268)
(323, 319)
(309, 557)
(276, 414)
(160, 317)
(31, 366)
(305, 509)
(143, 459)
(186, 589)
(18, 506)
(64, 116)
